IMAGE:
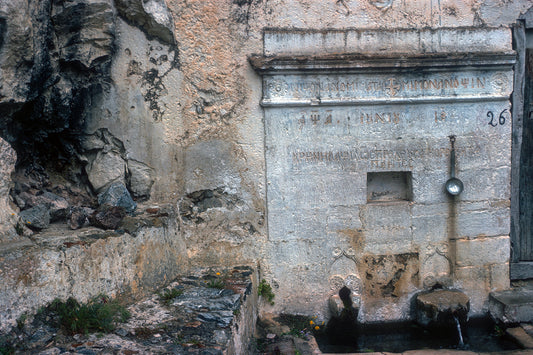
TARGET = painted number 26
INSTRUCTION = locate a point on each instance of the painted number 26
(501, 119)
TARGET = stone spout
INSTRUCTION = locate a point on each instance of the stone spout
(439, 308)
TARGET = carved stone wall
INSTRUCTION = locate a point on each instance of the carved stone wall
(271, 167)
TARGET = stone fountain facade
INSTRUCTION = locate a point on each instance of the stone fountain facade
(309, 139)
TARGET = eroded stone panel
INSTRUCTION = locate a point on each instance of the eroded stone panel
(333, 121)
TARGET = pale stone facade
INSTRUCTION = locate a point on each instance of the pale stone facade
(309, 139)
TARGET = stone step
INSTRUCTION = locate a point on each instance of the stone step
(512, 306)
(521, 337)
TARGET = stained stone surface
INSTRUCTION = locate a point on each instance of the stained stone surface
(334, 122)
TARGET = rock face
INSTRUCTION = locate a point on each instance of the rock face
(55, 64)
(66, 49)
(152, 16)
(8, 217)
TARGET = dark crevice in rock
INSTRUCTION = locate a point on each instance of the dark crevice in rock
(197, 202)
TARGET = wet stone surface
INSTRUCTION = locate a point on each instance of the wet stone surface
(197, 320)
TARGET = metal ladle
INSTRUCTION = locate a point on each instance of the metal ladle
(454, 186)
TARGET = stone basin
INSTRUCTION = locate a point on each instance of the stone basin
(439, 307)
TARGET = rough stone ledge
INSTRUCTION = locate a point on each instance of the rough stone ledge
(145, 253)
(201, 318)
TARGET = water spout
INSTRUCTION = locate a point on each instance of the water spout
(458, 324)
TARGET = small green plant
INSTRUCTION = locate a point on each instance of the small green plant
(19, 228)
(499, 331)
(5, 347)
(22, 320)
(168, 295)
(216, 283)
(100, 314)
(265, 290)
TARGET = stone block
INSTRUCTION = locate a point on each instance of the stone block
(141, 179)
(499, 277)
(474, 282)
(298, 225)
(392, 41)
(483, 251)
(512, 306)
(483, 183)
(487, 221)
(209, 165)
(37, 217)
(429, 229)
(106, 168)
(435, 265)
(321, 191)
(521, 337)
(439, 307)
(117, 195)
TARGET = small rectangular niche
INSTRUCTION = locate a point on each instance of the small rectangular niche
(389, 186)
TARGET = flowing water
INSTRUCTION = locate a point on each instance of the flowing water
(461, 343)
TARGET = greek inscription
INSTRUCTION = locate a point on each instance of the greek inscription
(380, 117)
(369, 157)
(329, 117)
(389, 86)
(440, 116)
(392, 88)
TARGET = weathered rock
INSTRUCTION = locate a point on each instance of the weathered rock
(107, 217)
(8, 157)
(152, 16)
(56, 204)
(106, 168)
(117, 195)
(79, 217)
(37, 217)
(440, 307)
(55, 60)
(141, 179)
(84, 31)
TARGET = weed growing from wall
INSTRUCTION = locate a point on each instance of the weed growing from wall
(100, 314)
(265, 290)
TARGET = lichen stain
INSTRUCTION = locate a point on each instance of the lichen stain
(21, 270)
(213, 89)
(355, 238)
(390, 276)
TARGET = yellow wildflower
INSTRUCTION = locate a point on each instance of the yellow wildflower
(317, 327)
(218, 273)
(311, 322)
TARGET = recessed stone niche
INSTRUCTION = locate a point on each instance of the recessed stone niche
(389, 186)
(348, 135)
